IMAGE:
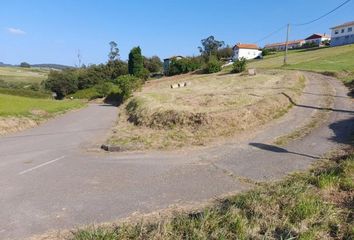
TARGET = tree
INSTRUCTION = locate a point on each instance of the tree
(114, 51)
(225, 52)
(210, 46)
(153, 64)
(25, 65)
(62, 83)
(135, 62)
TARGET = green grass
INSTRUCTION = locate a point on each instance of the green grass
(323, 59)
(313, 205)
(25, 93)
(17, 106)
(18, 74)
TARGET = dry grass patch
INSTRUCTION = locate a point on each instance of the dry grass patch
(212, 107)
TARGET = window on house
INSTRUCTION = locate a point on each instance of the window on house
(336, 32)
(342, 31)
(350, 29)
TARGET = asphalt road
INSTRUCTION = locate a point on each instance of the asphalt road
(51, 180)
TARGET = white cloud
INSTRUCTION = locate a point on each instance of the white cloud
(16, 31)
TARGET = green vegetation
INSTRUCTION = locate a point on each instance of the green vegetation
(24, 93)
(312, 205)
(338, 60)
(15, 106)
(136, 64)
(212, 66)
(25, 75)
(184, 65)
(239, 66)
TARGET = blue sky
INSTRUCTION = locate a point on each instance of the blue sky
(42, 31)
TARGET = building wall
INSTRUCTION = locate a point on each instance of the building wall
(317, 41)
(343, 40)
(342, 36)
(246, 53)
(282, 47)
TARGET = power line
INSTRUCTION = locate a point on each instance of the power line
(271, 34)
(324, 15)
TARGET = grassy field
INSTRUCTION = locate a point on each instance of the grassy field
(19, 113)
(312, 205)
(18, 74)
(211, 107)
(16, 106)
(337, 60)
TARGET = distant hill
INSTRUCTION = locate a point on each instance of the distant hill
(5, 65)
(50, 65)
(43, 65)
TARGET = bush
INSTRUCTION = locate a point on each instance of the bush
(184, 65)
(127, 84)
(62, 83)
(266, 52)
(212, 66)
(239, 66)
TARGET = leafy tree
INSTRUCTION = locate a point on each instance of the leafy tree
(114, 51)
(116, 68)
(153, 64)
(135, 62)
(25, 65)
(226, 52)
(210, 46)
(184, 65)
(62, 83)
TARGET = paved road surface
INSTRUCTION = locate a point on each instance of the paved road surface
(49, 180)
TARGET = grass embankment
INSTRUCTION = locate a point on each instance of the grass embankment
(18, 74)
(336, 61)
(17, 113)
(313, 205)
(211, 107)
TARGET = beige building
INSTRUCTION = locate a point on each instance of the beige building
(281, 46)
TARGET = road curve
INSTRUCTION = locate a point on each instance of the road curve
(49, 181)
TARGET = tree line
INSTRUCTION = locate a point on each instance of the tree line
(115, 79)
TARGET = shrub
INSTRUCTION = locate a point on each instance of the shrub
(153, 64)
(184, 65)
(266, 52)
(62, 83)
(212, 66)
(127, 84)
(239, 66)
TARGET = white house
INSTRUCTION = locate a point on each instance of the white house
(247, 51)
(281, 46)
(317, 39)
(342, 34)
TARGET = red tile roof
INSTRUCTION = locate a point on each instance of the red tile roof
(246, 46)
(347, 24)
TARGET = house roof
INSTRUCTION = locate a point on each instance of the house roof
(283, 43)
(347, 24)
(246, 46)
(318, 35)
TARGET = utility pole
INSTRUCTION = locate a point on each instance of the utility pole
(79, 58)
(286, 45)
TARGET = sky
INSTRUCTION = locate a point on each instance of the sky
(42, 31)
